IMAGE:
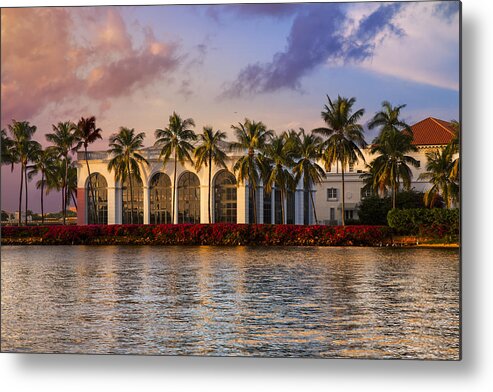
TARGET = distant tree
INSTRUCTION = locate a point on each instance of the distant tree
(124, 149)
(344, 136)
(23, 149)
(176, 139)
(210, 150)
(394, 142)
(43, 163)
(306, 155)
(251, 139)
(279, 160)
(86, 134)
(64, 140)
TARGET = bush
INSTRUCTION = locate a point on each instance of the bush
(435, 222)
(198, 234)
(373, 210)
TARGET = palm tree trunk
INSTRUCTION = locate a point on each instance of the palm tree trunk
(313, 205)
(20, 195)
(343, 192)
(254, 200)
(209, 200)
(282, 206)
(130, 178)
(74, 200)
(42, 199)
(394, 195)
(173, 199)
(95, 216)
(65, 193)
(25, 183)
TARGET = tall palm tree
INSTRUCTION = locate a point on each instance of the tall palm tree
(252, 138)
(71, 185)
(210, 150)
(44, 163)
(279, 158)
(344, 136)
(307, 153)
(23, 149)
(87, 133)
(124, 149)
(392, 144)
(63, 139)
(438, 166)
(176, 139)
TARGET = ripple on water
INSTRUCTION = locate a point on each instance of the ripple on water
(294, 302)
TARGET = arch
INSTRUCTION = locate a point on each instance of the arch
(137, 215)
(188, 198)
(160, 192)
(97, 208)
(225, 201)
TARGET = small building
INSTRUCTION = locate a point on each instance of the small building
(230, 202)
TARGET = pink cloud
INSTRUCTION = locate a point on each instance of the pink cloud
(55, 56)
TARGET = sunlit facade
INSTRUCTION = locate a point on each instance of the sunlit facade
(151, 199)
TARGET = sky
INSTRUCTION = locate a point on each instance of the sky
(219, 64)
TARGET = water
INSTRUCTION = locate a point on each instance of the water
(276, 302)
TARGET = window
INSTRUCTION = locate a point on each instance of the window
(349, 214)
(133, 201)
(97, 206)
(188, 198)
(160, 199)
(332, 194)
(351, 167)
(225, 198)
(332, 214)
(419, 164)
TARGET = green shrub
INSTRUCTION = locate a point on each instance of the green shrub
(435, 222)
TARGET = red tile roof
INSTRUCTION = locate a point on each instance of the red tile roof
(432, 131)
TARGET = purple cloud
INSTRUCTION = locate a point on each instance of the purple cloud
(316, 37)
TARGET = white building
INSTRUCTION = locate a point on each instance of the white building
(230, 202)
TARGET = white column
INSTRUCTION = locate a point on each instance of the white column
(260, 204)
(285, 203)
(147, 205)
(114, 205)
(242, 204)
(204, 212)
(299, 207)
(311, 214)
(175, 201)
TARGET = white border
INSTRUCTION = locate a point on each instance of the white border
(88, 373)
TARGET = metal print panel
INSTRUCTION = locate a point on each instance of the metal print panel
(268, 180)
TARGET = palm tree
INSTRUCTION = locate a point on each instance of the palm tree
(23, 149)
(176, 139)
(210, 149)
(439, 165)
(252, 138)
(43, 163)
(454, 146)
(393, 143)
(64, 140)
(71, 185)
(307, 153)
(86, 134)
(124, 148)
(344, 136)
(6, 142)
(279, 160)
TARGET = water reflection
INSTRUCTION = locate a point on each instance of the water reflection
(297, 302)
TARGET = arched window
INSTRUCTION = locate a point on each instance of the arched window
(133, 208)
(225, 198)
(188, 198)
(160, 199)
(97, 200)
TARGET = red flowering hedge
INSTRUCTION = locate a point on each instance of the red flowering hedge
(199, 234)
